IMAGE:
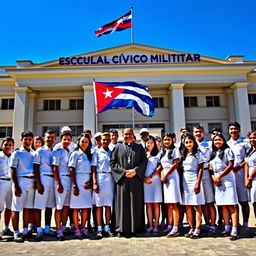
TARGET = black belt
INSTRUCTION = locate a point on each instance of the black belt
(103, 172)
(5, 179)
(67, 175)
(27, 177)
(48, 175)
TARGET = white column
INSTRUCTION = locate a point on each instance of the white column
(89, 115)
(20, 114)
(242, 110)
(177, 110)
(230, 103)
(32, 112)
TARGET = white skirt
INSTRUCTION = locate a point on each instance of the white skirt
(105, 196)
(84, 199)
(189, 197)
(226, 194)
(172, 188)
(208, 187)
(153, 191)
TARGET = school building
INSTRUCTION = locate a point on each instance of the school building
(188, 88)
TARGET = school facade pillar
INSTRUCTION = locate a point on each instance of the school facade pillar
(89, 116)
(32, 105)
(20, 114)
(177, 109)
(242, 110)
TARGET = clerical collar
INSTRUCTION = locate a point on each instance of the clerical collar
(129, 144)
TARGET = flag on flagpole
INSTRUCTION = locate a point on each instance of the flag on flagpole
(109, 95)
(119, 24)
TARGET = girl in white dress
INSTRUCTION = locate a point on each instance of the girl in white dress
(152, 185)
(171, 183)
(250, 169)
(193, 195)
(80, 163)
(221, 164)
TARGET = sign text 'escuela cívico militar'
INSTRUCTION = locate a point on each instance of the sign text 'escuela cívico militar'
(130, 59)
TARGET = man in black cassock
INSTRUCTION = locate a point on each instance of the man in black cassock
(128, 165)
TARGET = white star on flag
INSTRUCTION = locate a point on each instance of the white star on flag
(107, 94)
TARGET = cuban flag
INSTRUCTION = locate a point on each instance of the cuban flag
(120, 24)
(125, 95)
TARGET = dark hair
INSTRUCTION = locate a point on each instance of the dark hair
(65, 134)
(88, 151)
(222, 149)
(37, 138)
(27, 134)
(184, 150)
(184, 128)
(87, 131)
(113, 131)
(50, 132)
(198, 126)
(169, 156)
(8, 138)
(252, 149)
(155, 150)
(216, 129)
(236, 124)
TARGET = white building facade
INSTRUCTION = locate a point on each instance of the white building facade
(187, 88)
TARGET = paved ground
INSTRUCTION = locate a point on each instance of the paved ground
(144, 244)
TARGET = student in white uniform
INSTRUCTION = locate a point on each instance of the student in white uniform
(193, 195)
(22, 174)
(103, 186)
(80, 164)
(221, 163)
(44, 180)
(171, 183)
(152, 185)
(72, 146)
(250, 169)
(114, 139)
(209, 210)
(239, 146)
(6, 183)
(62, 183)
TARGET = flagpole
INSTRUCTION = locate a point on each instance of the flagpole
(96, 115)
(133, 119)
(132, 35)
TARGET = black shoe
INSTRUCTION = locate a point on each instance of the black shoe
(233, 237)
(1, 238)
(171, 234)
(99, 235)
(108, 233)
(119, 235)
(7, 232)
(39, 237)
(19, 238)
(29, 234)
(225, 233)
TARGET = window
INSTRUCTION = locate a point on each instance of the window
(54, 128)
(76, 130)
(214, 125)
(7, 104)
(212, 101)
(253, 125)
(51, 104)
(159, 102)
(5, 131)
(76, 104)
(252, 99)
(190, 101)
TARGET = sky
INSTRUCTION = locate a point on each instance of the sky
(44, 30)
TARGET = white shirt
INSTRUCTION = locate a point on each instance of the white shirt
(218, 165)
(239, 148)
(4, 165)
(251, 160)
(43, 157)
(71, 147)
(22, 160)
(205, 146)
(103, 160)
(80, 161)
(60, 158)
(111, 146)
(191, 162)
(167, 163)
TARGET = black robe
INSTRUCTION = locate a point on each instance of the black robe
(128, 209)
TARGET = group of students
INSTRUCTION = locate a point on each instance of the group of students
(187, 177)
